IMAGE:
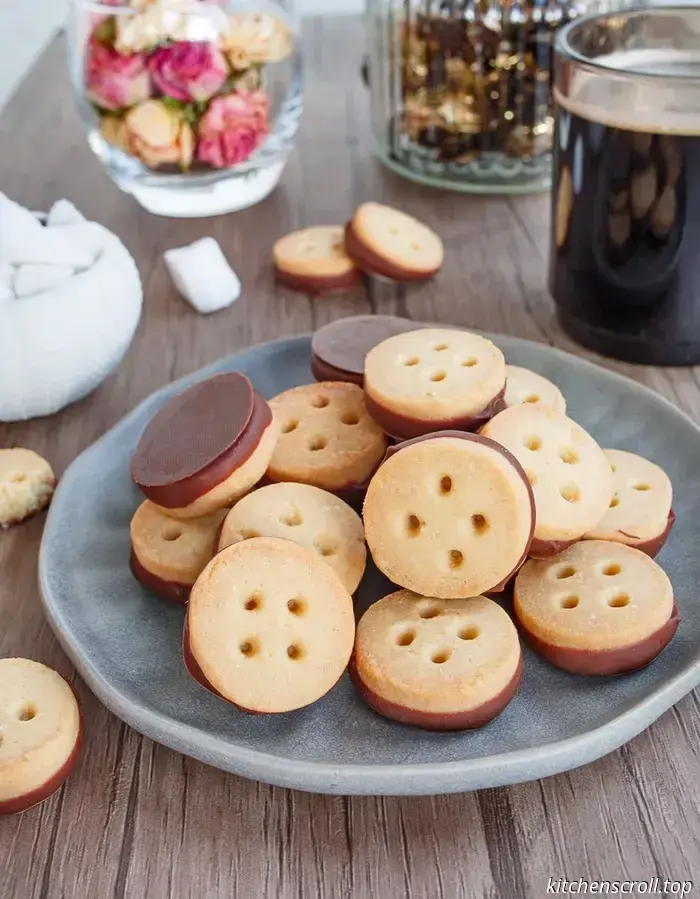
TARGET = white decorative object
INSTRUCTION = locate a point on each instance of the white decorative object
(203, 276)
(70, 301)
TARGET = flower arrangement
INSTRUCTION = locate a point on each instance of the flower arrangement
(179, 83)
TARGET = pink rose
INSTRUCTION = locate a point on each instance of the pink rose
(232, 128)
(188, 70)
(115, 81)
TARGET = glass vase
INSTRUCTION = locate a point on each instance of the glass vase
(192, 107)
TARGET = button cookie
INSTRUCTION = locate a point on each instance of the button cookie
(269, 626)
(434, 379)
(640, 513)
(40, 733)
(441, 665)
(598, 608)
(167, 556)
(27, 483)
(570, 476)
(338, 349)
(525, 386)
(205, 447)
(391, 244)
(314, 260)
(310, 517)
(327, 439)
(449, 515)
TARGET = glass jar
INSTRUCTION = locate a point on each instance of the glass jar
(191, 106)
(461, 90)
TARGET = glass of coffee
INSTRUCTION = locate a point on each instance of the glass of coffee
(625, 234)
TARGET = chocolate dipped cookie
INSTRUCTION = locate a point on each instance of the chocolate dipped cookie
(449, 515)
(40, 730)
(311, 517)
(390, 244)
(327, 439)
(598, 608)
(570, 476)
(314, 260)
(167, 555)
(339, 349)
(640, 512)
(434, 379)
(269, 626)
(206, 447)
(441, 665)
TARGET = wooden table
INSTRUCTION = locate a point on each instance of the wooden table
(137, 820)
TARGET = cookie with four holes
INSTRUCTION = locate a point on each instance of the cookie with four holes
(326, 437)
(269, 626)
(449, 515)
(314, 260)
(40, 733)
(570, 476)
(525, 386)
(206, 447)
(339, 349)
(434, 379)
(307, 515)
(640, 512)
(436, 664)
(167, 555)
(386, 242)
(598, 608)
(27, 483)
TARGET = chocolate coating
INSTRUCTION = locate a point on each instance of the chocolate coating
(547, 549)
(172, 591)
(605, 661)
(374, 264)
(478, 438)
(313, 285)
(653, 546)
(198, 439)
(339, 349)
(405, 427)
(441, 721)
(21, 803)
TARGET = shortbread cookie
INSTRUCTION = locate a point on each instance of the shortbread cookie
(327, 439)
(640, 512)
(598, 608)
(269, 626)
(570, 476)
(27, 483)
(434, 379)
(205, 447)
(307, 515)
(40, 733)
(441, 665)
(314, 260)
(449, 515)
(167, 555)
(338, 350)
(386, 242)
(525, 386)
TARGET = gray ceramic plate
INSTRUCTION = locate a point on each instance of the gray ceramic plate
(126, 644)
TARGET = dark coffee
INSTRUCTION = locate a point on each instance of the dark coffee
(625, 248)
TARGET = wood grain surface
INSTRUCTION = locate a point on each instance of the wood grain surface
(137, 820)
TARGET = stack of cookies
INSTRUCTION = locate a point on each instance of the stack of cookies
(473, 485)
(377, 241)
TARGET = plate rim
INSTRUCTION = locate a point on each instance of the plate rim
(422, 778)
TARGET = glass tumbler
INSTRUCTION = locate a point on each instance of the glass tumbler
(192, 107)
(624, 262)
